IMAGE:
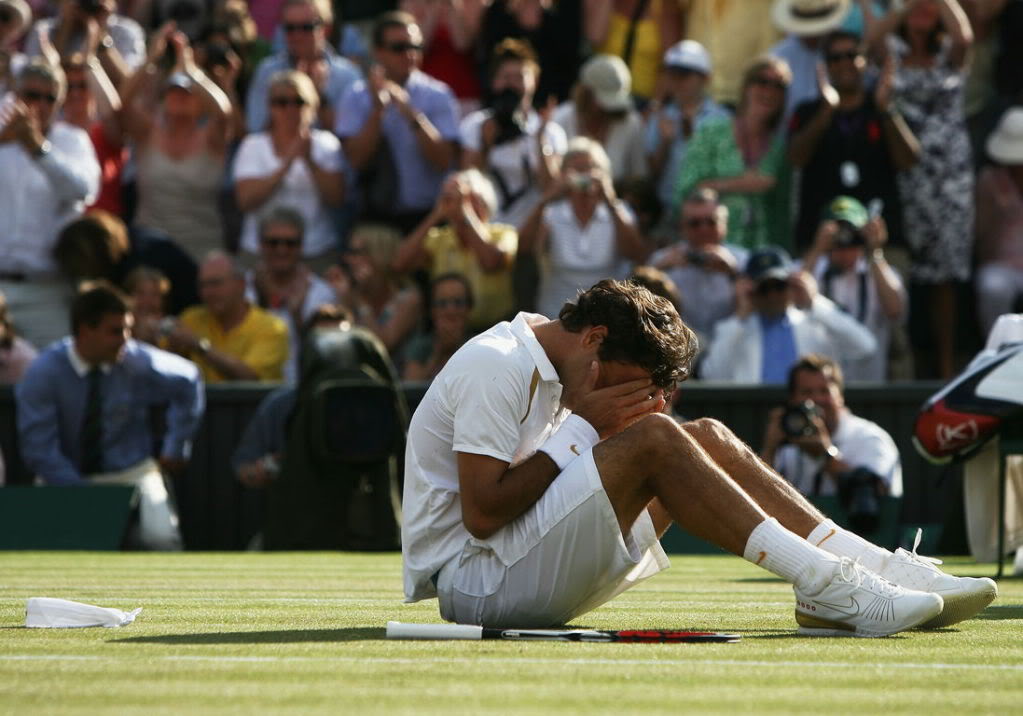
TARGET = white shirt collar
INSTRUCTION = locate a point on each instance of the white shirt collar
(78, 363)
(522, 329)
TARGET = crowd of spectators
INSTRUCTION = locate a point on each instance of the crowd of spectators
(842, 177)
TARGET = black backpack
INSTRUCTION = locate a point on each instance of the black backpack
(340, 472)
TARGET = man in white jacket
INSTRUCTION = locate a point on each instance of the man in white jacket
(779, 316)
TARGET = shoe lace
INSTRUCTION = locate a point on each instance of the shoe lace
(929, 562)
(855, 573)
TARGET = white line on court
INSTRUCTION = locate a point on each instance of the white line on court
(477, 661)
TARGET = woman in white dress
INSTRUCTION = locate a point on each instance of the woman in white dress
(581, 231)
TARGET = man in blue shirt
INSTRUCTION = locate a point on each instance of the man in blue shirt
(305, 24)
(83, 410)
(401, 111)
(779, 316)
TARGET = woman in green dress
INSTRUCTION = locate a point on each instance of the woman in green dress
(743, 159)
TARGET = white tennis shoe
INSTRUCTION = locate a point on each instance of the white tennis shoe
(858, 602)
(964, 596)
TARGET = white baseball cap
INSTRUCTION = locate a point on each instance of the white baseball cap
(609, 78)
(1005, 145)
(688, 55)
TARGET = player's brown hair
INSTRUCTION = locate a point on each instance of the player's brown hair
(642, 329)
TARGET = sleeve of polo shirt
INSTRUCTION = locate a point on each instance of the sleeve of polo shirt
(469, 131)
(353, 111)
(268, 349)
(489, 399)
(71, 166)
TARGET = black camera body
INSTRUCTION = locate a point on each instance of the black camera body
(848, 235)
(797, 420)
(696, 258)
(511, 120)
(859, 493)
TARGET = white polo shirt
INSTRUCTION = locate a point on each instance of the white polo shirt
(499, 395)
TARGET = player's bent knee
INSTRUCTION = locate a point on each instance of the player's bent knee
(705, 430)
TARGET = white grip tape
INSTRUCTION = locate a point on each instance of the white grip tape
(398, 630)
(574, 437)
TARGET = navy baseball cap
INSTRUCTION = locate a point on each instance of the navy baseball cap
(767, 263)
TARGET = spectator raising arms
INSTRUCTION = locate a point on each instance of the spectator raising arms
(379, 297)
(48, 172)
(15, 17)
(929, 41)
(291, 165)
(180, 148)
(94, 104)
(515, 146)
(584, 229)
(742, 158)
(459, 237)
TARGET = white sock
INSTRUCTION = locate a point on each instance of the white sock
(789, 556)
(843, 543)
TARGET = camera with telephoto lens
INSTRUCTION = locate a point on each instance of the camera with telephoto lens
(797, 420)
(511, 120)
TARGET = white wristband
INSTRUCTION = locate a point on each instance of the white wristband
(572, 439)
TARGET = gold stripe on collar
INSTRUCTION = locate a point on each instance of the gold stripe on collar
(534, 381)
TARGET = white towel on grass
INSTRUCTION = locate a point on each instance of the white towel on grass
(50, 612)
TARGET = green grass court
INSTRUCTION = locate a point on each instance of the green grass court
(303, 633)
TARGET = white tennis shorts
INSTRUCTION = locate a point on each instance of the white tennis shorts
(559, 560)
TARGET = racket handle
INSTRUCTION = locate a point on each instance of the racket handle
(398, 630)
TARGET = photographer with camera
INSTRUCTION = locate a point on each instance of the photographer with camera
(819, 446)
(702, 266)
(848, 261)
(509, 140)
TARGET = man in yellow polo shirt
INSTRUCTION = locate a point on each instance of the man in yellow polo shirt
(458, 237)
(228, 337)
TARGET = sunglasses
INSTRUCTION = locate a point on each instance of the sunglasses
(33, 96)
(274, 242)
(834, 57)
(768, 82)
(403, 47)
(771, 286)
(287, 102)
(301, 26)
(450, 303)
(698, 221)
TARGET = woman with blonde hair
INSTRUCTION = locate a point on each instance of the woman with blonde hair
(743, 159)
(291, 164)
(380, 299)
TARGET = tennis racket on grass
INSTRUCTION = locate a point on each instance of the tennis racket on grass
(398, 630)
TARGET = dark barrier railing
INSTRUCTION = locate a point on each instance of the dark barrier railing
(218, 513)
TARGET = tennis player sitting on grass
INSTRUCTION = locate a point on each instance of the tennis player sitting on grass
(540, 473)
